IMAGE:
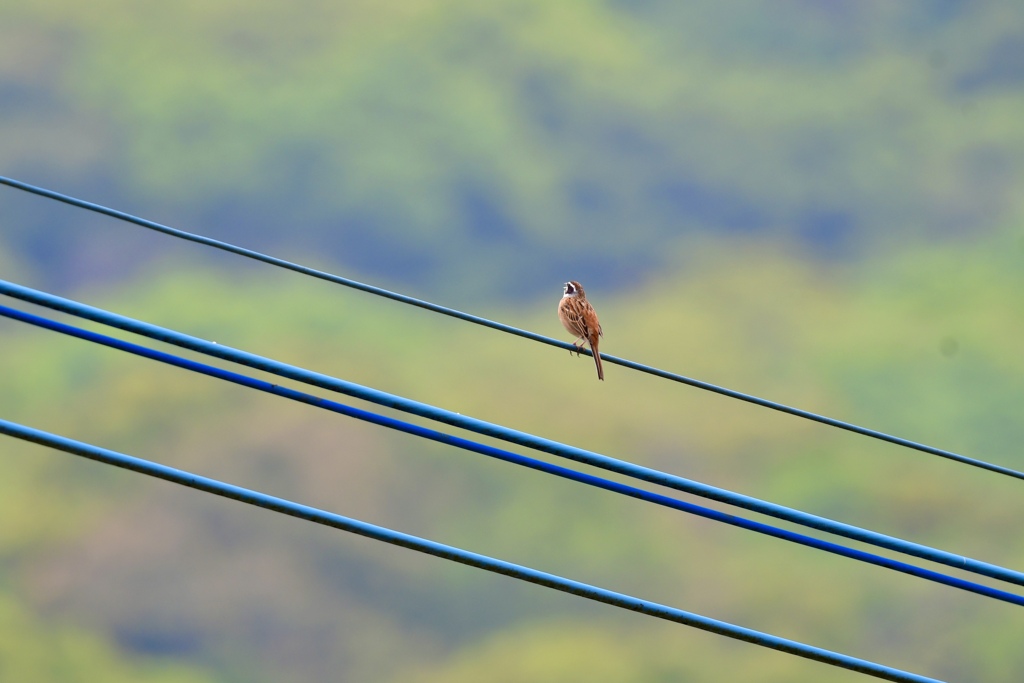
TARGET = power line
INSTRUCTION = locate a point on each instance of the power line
(454, 554)
(506, 434)
(336, 279)
(507, 456)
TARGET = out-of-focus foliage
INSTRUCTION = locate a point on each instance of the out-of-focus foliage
(584, 651)
(529, 138)
(35, 652)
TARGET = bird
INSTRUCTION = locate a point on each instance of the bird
(580, 319)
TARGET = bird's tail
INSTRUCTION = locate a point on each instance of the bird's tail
(597, 358)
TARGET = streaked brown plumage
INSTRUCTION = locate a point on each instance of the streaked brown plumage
(580, 319)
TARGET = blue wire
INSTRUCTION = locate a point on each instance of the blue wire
(506, 434)
(506, 456)
(456, 554)
(336, 279)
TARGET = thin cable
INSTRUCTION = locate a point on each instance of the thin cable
(507, 456)
(370, 289)
(454, 554)
(505, 434)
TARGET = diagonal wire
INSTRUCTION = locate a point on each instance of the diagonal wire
(640, 367)
(454, 554)
(507, 456)
(505, 434)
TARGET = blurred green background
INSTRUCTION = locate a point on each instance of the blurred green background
(815, 201)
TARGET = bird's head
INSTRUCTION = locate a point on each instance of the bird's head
(573, 288)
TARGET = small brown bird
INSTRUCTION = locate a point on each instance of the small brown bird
(580, 318)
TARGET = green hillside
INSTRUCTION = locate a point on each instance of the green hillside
(483, 149)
